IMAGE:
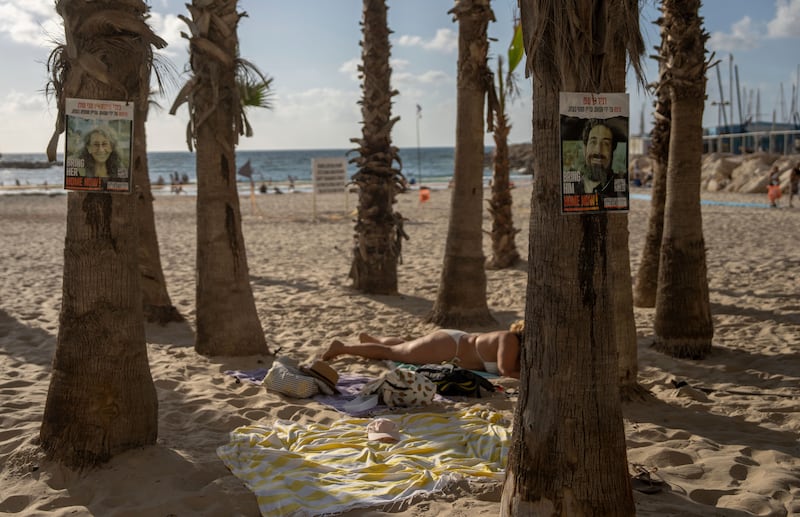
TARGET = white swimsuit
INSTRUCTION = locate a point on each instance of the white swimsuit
(456, 335)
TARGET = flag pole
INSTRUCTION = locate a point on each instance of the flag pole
(419, 159)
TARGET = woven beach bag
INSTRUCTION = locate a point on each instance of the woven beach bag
(286, 378)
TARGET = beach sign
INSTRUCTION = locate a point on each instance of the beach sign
(98, 145)
(328, 176)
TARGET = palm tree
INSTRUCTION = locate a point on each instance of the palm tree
(504, 250)
(101, 400)
(461, 299)
(644, 294)
(227, 320)
(620, 264)
(568, 453)
(683, 325)
(378, 230)
(156, 302)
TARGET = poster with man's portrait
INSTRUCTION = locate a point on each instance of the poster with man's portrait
(594, 152)
(98, 145)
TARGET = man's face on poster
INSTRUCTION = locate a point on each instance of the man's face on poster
(598, 151)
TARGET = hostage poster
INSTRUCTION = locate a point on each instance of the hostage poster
(98, 145)
(594, 152)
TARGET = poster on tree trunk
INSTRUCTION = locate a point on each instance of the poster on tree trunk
(97, 157)
(594, 152)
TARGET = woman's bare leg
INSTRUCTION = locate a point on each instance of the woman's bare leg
(433, 348)
(368, 338)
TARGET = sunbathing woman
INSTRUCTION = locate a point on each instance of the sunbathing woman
(495, 352)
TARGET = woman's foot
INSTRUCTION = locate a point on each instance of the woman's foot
(335, 349)
(366, 338)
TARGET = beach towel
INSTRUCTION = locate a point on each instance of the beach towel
(308, 470)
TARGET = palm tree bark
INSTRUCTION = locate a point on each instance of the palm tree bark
(504, 248)
(620, 265)
(227, 320)
(156, 302)
(379, 231)
(644, 294)
(101, 399)
(461, 298)
(683, 324)
(568, 455)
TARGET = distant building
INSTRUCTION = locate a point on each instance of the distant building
(772, 137)
(639, 145)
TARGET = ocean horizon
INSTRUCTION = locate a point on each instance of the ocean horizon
(275, 168)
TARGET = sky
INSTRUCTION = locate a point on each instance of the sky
(311, 49)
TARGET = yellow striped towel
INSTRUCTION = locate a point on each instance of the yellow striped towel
(298, 470)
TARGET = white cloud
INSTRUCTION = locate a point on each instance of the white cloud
(168, 27)
(410, 41)
(399, 64)
(32, 22)
(445, 41)
(350, 68)
(16, 102)
(433, 76)
(786, 23)
(744, 35)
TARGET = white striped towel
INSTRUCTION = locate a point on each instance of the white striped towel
(297, 470)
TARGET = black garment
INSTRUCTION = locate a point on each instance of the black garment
(606, 190)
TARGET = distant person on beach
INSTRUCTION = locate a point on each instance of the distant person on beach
(177, 183)
(100, 156)
(794, 182)
(637, 174)
(599, 143)
(774, 187)
(495, 352)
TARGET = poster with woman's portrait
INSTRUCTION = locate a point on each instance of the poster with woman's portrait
(98, 145)
(594, 152)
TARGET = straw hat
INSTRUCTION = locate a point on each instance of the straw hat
(322, 371)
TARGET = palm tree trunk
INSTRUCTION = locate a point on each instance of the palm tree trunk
(379, 230)
(156, 302)
(461, 298)
(504, 249)
(683, 324)
(647, 275)
(620, 270)
(227, 320)
(101, 400)
(568, 455)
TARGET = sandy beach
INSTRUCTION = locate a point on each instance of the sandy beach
(725, 443)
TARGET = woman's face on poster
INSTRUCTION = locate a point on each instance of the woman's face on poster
(99, 147)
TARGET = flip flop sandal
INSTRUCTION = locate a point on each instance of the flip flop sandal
(644, 483)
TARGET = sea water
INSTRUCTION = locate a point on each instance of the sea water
(275, 168)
